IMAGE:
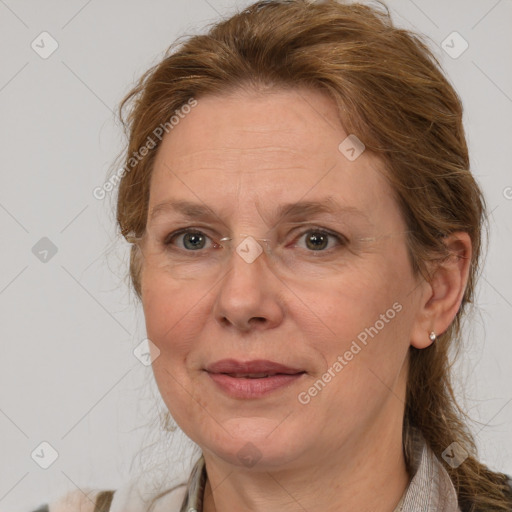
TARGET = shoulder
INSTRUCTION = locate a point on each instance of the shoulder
(130, 498)
(509, 483)
(137, 498)
(81, 501)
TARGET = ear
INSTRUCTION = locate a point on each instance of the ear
(443, 294)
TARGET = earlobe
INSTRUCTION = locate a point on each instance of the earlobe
(443, 295)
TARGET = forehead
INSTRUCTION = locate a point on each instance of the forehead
(278, 146)
(275, 126)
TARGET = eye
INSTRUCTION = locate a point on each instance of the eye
(318, 239)
(191, 240)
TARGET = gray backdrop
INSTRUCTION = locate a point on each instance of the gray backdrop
(68, 375)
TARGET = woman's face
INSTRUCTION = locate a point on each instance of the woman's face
(293, 354)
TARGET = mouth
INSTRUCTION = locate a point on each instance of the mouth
(253, 375)
(252, 379)
(257, 368)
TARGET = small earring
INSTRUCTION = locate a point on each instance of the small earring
(432, 336)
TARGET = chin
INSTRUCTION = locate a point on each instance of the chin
(254, 443)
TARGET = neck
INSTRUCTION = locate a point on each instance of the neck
(367, 472)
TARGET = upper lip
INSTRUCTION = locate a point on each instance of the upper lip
(232, 366)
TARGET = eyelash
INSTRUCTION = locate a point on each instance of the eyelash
(341, 239)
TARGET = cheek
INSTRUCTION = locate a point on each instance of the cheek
(365, 318)
(174, 316)
(362, 362)
(350, 301)
(172, 312)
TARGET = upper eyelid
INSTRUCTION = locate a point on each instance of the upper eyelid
(341, 237)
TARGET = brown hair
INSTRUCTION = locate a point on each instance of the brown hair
(392, 94)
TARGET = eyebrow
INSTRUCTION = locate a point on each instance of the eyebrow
(300, 209)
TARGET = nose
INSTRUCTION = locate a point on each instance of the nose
(249, 295)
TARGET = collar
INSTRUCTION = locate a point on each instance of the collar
(430, 488)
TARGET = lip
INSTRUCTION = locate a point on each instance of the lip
(227, 374)
(255, 366)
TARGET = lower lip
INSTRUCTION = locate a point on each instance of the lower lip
(252, 388)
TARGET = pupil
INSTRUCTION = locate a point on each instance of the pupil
(193, 239)
(318, 241)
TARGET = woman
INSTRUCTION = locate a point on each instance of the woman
(306, 236)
